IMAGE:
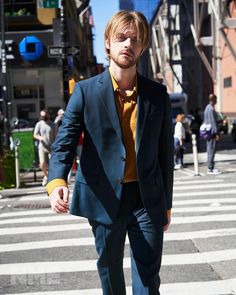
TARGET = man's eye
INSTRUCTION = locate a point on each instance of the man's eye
(121, 38)
(134, 40)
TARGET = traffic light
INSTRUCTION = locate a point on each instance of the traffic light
(71, 85)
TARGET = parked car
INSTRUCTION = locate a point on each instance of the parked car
(222, 121)
(233, 131)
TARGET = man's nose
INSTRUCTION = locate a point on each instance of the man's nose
(128, 42)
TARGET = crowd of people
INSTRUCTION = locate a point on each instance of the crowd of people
(210, 118)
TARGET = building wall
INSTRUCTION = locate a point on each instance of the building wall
(37, 84)
(229, 73)
(31, 90)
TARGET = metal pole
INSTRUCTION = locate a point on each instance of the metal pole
(17, 166)
(195, 155)
(4, 99)
(218, 58)
(64, 44)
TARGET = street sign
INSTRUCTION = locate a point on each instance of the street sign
(73, 50)
(9, 49)
(55, 51)
(48, 4)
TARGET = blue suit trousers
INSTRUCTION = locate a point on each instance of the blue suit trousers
(146, 241)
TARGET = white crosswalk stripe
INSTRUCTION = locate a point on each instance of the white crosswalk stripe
(204, 213)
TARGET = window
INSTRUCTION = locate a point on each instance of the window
(227, 82)
(28, 91)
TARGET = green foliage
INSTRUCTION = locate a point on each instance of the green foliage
(26, 148)
(20, 12)
(7, 165)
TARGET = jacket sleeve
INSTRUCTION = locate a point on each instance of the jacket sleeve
(166, 151)
(64, 147)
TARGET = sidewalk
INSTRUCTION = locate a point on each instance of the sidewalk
(220, 156)
(30, 184)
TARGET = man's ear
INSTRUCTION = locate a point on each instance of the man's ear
(107, 44)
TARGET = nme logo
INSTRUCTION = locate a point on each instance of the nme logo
(35, 279)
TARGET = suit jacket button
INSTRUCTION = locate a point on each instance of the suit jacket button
(122, 158)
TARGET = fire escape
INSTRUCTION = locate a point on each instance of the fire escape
(173, 19)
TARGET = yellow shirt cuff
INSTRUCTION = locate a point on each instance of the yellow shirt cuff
(55, 183)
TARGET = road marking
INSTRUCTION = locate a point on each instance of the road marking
(193, 288)
(85, 225)
(205, 209)
(89, 241)
(26, 212)
(42, 219)
(43, 229)
(198, 219)
(180, 182)
(31, 197)
(201, 234)
(90, 265)
(204, 201)
(204, 193)
(205, 186)
(32, 213)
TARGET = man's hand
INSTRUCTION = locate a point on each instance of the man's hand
(59, 199)
(169, 219)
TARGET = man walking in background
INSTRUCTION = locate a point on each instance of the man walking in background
(210, 118)
(44, 133)
(124, 180)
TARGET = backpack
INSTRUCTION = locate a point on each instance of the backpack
(205, 131)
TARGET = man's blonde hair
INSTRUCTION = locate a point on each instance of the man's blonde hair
(123, 19)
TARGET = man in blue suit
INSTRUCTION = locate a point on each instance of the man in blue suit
(124, 180)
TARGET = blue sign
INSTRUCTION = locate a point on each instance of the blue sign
(31, 48)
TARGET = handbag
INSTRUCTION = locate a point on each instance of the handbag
(205, 131)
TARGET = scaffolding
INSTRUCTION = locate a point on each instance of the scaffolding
(165, 52)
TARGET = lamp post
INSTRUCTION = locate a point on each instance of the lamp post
(4, 98)
(64, 44)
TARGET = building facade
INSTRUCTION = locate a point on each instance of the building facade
(193, 48)
(45, 47)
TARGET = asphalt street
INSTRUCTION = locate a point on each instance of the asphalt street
(46, 254)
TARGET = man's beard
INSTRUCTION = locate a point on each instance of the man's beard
(119, 60)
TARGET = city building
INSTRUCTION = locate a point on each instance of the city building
(47, 44)
(228, 60)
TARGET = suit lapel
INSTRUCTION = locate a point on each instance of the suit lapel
(108, 98)
(143, 107)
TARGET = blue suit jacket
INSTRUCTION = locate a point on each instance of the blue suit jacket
(98, 183)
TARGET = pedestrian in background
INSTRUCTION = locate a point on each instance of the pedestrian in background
(179, 141)
(44, 133)
(59, 117)
(124, 179)
(195, 126)
(211, 119)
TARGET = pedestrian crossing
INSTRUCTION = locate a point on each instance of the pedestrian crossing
(46, 254)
